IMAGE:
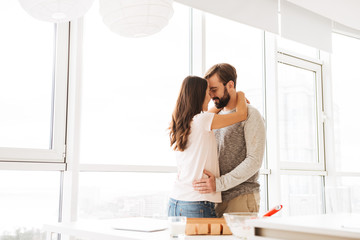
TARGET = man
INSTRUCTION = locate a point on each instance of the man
(240, 147)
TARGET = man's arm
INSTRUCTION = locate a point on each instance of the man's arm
(255, 135)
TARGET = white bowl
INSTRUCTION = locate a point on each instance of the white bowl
(237, 222)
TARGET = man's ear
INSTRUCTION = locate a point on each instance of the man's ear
(231, 84)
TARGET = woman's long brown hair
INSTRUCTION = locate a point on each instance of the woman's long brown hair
(189, 103)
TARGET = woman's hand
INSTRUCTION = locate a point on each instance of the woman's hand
(242, 94)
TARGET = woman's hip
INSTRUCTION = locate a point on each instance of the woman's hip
(191, 209)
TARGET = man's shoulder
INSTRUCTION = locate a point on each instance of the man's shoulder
(254, 116)
(253, 112)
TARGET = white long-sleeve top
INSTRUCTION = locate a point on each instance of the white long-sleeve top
(200, 154)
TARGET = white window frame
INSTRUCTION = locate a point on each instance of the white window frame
(276, 167)
(57, 152)
(314, 65)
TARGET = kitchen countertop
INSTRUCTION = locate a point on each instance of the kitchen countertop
(322, 226)
(102, 229)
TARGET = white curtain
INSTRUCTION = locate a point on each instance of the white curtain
(261, 14)
(304, 26)
(345, 12)
(306, 21)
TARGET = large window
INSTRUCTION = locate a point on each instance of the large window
(128, 90)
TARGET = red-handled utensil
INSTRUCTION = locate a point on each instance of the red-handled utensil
(273, 211)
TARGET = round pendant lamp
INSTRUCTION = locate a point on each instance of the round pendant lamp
(136, 18)
(56, 10)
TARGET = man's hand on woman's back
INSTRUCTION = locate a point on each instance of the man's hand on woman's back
(205, 185)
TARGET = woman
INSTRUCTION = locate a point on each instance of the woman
(192, 137)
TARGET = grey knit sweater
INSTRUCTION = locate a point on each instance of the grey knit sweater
(241, 149)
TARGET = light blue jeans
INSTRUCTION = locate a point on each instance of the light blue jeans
(191, 209)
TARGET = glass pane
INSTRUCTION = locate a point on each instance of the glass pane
(346, 84)
(27, 201)
(338, 199)
(296, 47)
(297, 114)
(130, 87)
(241, 46)
(301, 195)
(354, 184)
(26, 60)
(114, 195)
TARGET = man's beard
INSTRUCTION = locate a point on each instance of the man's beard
(222, 102)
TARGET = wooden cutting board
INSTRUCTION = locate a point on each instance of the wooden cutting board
(207, 226)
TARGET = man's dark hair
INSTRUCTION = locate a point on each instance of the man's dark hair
(225, 71)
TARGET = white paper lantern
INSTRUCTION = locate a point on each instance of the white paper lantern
(136, 18)
(56, 10)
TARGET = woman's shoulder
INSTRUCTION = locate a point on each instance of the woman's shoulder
(203, 120)
(203, 115)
